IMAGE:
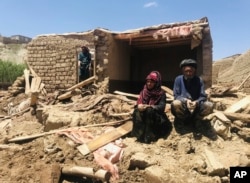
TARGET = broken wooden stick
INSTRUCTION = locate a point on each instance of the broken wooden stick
(87, 172)
(83, 83)
(68, 94)
(35, 84)
(123, 98)
(42, 89)
(31, 70)
(169, 97)
(97, 100)
(126, 94)
(29, 137)
(218, 91)
(167, 90)
(121, 114)
(103, 97)
(243, 82)
(15, 114)
(65, 95)
(15, 147)
(27, 82)
(238, 116)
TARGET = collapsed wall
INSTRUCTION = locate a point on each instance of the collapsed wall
(54, 57)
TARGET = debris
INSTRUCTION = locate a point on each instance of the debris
(105, 138)
(215, 168)
(239, 106)
(30, 137)
(100, 174)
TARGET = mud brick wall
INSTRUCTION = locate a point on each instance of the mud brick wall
(54, 57)
(207, 57)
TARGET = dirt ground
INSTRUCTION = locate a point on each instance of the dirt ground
(178, 157)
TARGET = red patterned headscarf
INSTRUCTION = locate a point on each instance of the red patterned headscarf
(151, 97)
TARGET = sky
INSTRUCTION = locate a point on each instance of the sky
(229, 20)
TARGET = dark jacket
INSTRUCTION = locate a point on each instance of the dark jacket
(160, 106)
(192, 89)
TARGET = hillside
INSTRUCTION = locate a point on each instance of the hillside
(13, 52)
(232, 71)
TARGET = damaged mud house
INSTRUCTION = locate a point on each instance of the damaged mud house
(124, 57)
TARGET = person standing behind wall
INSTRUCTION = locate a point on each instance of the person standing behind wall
(84, 63)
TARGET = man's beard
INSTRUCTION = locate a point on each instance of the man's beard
(188, 77)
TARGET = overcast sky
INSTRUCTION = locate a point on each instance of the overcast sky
(229, 20)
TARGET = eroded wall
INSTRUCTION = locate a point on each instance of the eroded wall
(206, 58)
(54, 57)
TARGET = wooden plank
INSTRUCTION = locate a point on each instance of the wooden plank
(42, 89)
(168, 90)
(126, 94)
(41, 86)
(35, 84)
(236, 107)
(169, 97)
(238, 116)
(29, 137)
(65, 95)
(27, 82)
(31, 70)
(243, 82)
(100, 174)
(221, 116)
(105, 138)
(83, 83)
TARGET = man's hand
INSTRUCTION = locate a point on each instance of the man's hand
(191, 105)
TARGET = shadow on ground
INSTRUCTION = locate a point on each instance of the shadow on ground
(199, 128)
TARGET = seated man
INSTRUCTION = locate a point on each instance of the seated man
(190, 100)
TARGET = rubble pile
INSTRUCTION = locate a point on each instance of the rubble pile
(82, 135)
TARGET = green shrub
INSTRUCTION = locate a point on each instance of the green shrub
(9, 71)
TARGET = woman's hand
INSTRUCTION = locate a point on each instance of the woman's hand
(142, 107)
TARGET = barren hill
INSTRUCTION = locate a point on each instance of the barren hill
(13, 52)
(233, 70)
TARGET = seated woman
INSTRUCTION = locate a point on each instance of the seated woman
(149, 118)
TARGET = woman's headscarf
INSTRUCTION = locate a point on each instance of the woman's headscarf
(152, 96)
